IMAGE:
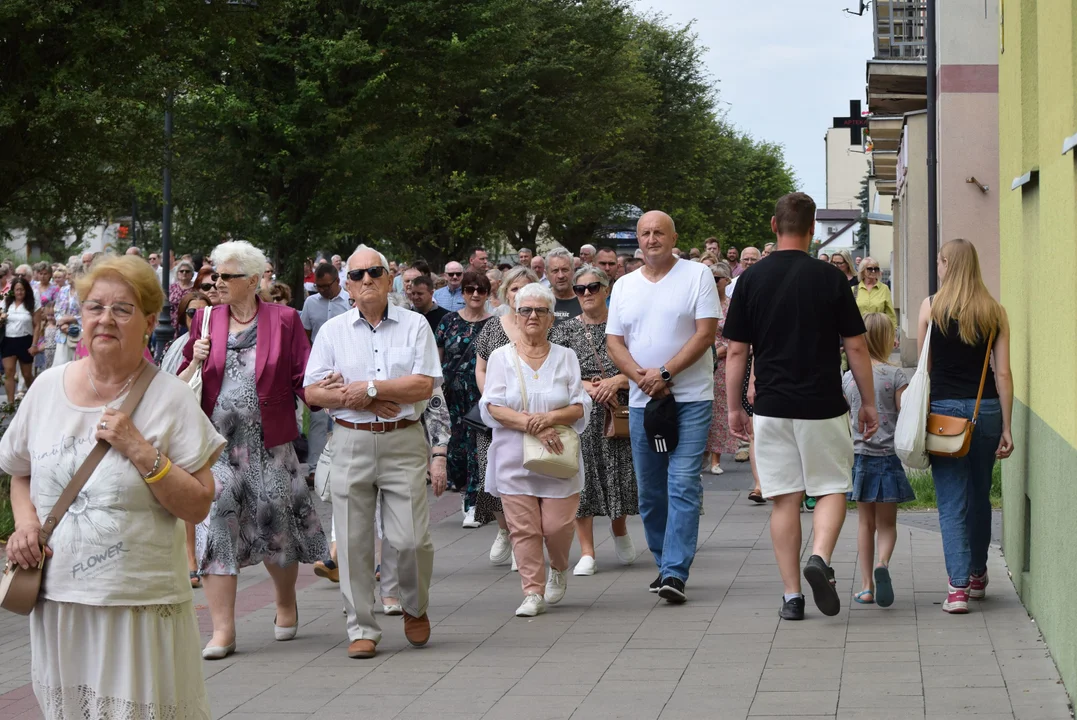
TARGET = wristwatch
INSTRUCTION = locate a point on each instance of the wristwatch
(371, 391)
(666, 374)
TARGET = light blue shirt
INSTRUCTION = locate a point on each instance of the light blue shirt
(317, 311)
(451, 301)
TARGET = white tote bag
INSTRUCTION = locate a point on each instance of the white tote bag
(195, 383)
(910, 433)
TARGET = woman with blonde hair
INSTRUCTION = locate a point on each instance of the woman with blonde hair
(967, 328)
(842, 260)
(872, 295)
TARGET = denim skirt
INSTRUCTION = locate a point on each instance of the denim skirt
(880, 479)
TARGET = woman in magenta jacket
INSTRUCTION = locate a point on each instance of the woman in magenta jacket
(252, 363)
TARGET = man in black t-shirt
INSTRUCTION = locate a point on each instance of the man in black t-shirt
(795, 313)
(421, 295)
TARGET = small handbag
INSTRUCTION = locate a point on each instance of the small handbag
(195, 383)
(616, 421)
(473, 419)
(19, 588)
(949, 436)
(537, 458)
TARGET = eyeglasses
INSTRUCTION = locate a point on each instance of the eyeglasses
(226, 276)
(539, 312)
(592, 288)
(375, 272)
(206, 287)
(871, 269)
(184, 271)
(837, 262)
(121, 311)
(453, 274)
(191, 311)
(475, 290)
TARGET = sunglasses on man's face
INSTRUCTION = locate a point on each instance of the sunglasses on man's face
(226, 276)
(359, 273)
(453, 274)
(474, 290)
(592, 288)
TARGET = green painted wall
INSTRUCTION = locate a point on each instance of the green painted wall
(1038, 225)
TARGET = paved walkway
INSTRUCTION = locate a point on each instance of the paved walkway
(613, 650)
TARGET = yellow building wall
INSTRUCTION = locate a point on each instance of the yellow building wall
(1038, 227)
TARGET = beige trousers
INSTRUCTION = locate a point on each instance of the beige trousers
(394, 463)
(533, 520)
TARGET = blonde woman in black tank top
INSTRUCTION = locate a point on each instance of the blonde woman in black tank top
(962, 318)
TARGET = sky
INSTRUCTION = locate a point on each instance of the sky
(783, 69)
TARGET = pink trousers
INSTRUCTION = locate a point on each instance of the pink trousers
(532, 520)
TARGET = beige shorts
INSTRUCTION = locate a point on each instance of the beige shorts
(814, 457)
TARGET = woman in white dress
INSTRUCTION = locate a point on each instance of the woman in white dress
(114, 634)
(537, 507)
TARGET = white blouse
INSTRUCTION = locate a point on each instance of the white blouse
(20, 322)
(556, 384)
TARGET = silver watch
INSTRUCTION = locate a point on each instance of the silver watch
(371, 390)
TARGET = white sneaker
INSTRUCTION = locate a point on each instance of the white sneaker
(469, 519)
(586, 566)
(556, 584)
(393, 610)
(501, 550)
(514, 567)
(532, 605)
(625, 548)
(716, 470)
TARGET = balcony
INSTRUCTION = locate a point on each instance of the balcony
(899, 29)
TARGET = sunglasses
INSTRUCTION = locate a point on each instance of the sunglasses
(454, 274)
(592, 288)
(837, 262)
(539, 312)
(206, 287)
(359, 273)
(183, 271)
(475, 290)
(871, 269)
(226, 276)
(190, 312)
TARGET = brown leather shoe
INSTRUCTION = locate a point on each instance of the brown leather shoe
(416, 629)
(362, 649)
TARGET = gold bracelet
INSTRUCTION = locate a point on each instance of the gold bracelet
(164, 471)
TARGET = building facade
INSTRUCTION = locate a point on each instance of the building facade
(1038, 217)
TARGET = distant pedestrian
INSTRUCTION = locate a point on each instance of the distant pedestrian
(879, 481)
(792, 311)
(660, 333)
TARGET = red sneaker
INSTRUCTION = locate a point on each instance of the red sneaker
(957, 601)
(978, 586)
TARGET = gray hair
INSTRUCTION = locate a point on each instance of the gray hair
(537, 291)
(721, 270)
(559, 253)
(367, 248)
(250, 260)
(511, 276)
(588, 246)
(592, 270)
(189, 264)
(494, 275)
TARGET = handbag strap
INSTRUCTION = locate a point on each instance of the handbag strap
(520, 376)
(94, 458)
(594, 348)
(983, 377)
(205, 320)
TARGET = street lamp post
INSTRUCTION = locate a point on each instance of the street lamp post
(165, 332)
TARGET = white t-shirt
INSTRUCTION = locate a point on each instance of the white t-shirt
(20, 322)
(556, 384)
(116, 545)
(657, 319)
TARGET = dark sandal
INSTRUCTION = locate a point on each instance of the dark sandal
(196, 581)
(756, 497)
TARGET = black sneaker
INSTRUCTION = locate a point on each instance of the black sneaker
(819, 575)
(653, 587)
(672, 591)
(792, 609)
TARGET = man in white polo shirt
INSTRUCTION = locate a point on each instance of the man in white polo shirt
(389, 365)
(660, 333)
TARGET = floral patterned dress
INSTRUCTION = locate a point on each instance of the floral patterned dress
(609, 486)
(491, 338)
(455, 337)
(262, 511)
(720, 439)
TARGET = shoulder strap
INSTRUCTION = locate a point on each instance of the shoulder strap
(205, 320)
(594, 348)
(983, 377)
(520, 376)
(94, 458)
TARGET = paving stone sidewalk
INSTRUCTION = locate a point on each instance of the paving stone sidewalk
(613, 650)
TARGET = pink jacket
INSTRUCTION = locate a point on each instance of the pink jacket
(281, 356)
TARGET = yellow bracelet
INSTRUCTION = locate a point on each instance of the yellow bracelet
(164, 471)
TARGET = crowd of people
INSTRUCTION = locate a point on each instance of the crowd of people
(547, 392)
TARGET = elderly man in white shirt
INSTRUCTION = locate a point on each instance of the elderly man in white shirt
(388, 362)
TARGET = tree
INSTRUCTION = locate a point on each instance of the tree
(863, 232)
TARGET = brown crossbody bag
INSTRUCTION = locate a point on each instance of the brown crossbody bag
(949, 436)
(616, 424)
(20, 588)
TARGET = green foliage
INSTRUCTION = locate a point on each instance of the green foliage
(863, 232)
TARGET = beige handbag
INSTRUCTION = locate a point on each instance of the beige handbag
(19, 588)
(537, 458)
(949, 436)
(195, 383)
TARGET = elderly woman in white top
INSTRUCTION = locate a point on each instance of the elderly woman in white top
(537, 507)
(114, 634)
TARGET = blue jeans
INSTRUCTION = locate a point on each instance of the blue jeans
(963, 490)
(670, 491)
